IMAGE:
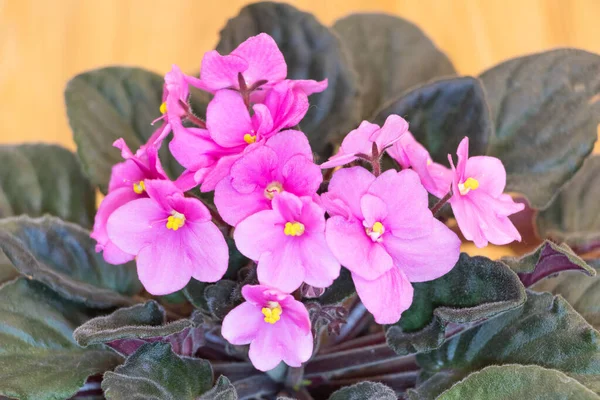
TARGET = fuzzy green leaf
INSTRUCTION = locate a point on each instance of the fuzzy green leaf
(365, 391)
(223, 390)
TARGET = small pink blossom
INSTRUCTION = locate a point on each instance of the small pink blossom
(480, 207)
(172, 237)
(276, 326)
(283, 164)
(382, 230)
(126, 184)
(360, 141)
(411, 154)
(288, 243)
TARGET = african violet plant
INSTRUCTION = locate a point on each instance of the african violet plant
(268, 244)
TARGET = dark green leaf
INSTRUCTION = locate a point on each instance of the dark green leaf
(7, 270)
(194, 292)
(546, 110)
(223, 390)
(574, 215)
(340, 290)
(548, 259)
(545, 331)
(476, 288)
(154, 372)
(38, 179)
(38, 357)
(442, 113)
(62, 256)
(365, 391)
(581, 291)
(221, 298)
(109, 103)
(518, 382)
(312, 51)
(390, 55)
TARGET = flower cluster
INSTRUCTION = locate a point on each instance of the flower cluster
(267, 186)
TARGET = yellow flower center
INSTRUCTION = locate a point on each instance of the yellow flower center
(175, 221)
(293, 229)
(376, 231)
(139, 187)
(163, 108)
(272, 189)
(272, 312)
(468, 185)
(248, 138)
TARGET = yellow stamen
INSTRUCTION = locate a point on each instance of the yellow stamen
(377, 227)
(248, 138)
(139, 187)
(468, 185)
(272, 189)
(175, 221)
(375, 232)
(272, 312)
(163, 108)
(293, 229)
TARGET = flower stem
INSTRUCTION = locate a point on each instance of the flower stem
(437, 207)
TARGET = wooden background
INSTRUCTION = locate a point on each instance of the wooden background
(45, 42)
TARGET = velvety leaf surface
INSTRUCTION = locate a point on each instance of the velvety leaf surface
(312, 51)
(7, 270)
(390, 55)
(38, 179)
(223, 390)
(546, 331)
(476, 288)
(518, 382)
(548, 259)
(365, 391)
(62, 256)
(127, 329)
(442, 113)
(341, 289)
(154, 372)
(574, 215)
(38, 357)
(106, 104)
(546, 110)
(581, 291)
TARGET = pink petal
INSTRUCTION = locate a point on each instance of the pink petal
(160, 191)
(287, 104)
(259, 233)
(194, 148)
(264, 59)
(467, 218)
(265, 351)
(207, 250)
(288, 206)
(217, 173)
(262, 122)
(288, 144)
(407, 203)
(254, 170)
(234, 206)
(308, 86)
(489, 172)
(260, 295)
(124, 175)
(186, 181)
(297, 346)
(114, 255)
(391, 131)
(359, 140)
(227, 119)
(282, 267)
(338, 160)
(352, 247)
(373, 208)
(442, 179)
(321, 267)
(193, 209)
(136, 224)
(385, 297)
(463, 156)
(295, 312)
(301, 176)
(312, 216)
(425, 258)
(349, 185)
(219, 72)
(241, 325)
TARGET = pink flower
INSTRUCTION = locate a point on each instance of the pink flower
(381, 229)
(276, 326)
(480, 207)
(283, 164)
(172, 238)
(288, 242)
(126, 184)
(411, 154)
(360, 141)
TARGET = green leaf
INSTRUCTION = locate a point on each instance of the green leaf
(546, 110)
(442, 113)
(518, 382)
(62, 256)
(7, 270)
(365, 391)
(581, 291)
(549, 258)
(545, 331)
(38, 357)
(340, 290)
(574, 215)
(312, 51)
(223, 390)
(155, 372)
(109, 103)
(475, 289)
(39, 179)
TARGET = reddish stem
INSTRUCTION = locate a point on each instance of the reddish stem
(438, 206)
